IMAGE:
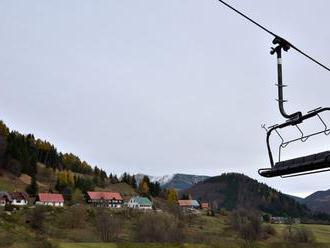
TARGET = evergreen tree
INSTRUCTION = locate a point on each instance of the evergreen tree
(133, 182)
(32, 189)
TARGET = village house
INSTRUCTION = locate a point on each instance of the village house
(50, 199)
(205, 205)
(284, 220)
(139, 202)
(4, 198)
(105, 199)
(189, 204)
(18, 198)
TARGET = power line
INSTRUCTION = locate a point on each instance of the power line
(273, 34)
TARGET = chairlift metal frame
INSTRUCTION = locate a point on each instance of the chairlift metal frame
(322, 160)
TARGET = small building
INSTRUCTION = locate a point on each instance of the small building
(105, 199)
(50, 199)
(284, 220)
(205, 205)
(4, 198)
(189, 204)
(19, 198)
(139, 202)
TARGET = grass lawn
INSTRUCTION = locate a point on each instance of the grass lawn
(321, 232)
(131, 245)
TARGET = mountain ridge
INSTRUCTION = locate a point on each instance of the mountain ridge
(179, 181)
(235, 190)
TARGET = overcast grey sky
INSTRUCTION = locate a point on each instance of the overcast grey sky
(162, 86)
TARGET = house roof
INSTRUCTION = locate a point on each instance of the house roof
(50, 197)
(187, 203)
(142, 200)
(104, 195)
(205, 205)
(19, 196)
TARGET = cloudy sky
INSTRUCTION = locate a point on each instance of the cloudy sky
(165, 86)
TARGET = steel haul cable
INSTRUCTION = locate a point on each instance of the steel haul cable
(273, 34)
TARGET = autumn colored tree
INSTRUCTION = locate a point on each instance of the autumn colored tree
(4, 130)
(172, 196)
(144, 186)
(65, 179)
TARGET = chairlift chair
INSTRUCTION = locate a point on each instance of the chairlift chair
(298, 166)
(310, 164)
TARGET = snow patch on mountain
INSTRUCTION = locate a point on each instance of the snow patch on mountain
(161, 179)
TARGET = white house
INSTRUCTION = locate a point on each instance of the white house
(19, 198)
(50, 199)
(139, 202)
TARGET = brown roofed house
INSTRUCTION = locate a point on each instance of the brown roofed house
(19, 198)
(105, 199)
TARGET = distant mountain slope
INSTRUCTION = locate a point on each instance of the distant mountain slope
(161, 179)
(184, 181)
(177, 181)
(319, 201)
(234, 190)
(296, 198)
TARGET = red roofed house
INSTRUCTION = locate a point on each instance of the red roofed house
(105, 199)
(188, 204)
(50, 199)
(205, 205)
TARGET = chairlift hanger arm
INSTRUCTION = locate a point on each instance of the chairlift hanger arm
(275, 35)
(285, 46)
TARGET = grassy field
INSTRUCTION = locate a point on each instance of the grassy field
(215, 227)
(321, 232)
(134, 245)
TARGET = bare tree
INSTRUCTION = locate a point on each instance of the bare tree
(161, 228)
(248, 226)
(298, 235)
(108, 226)
(36, 218)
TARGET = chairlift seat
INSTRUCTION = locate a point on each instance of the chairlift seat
(305, 164)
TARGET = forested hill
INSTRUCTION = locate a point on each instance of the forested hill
(19, 154)
(24, 154)
(232, 191)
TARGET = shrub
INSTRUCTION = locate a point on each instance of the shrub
(266, 218)
(247, 224)
(267, 231)
(223, 212)
(298, 235)
(36, 218)
(108, 226)
(7, 240)
(74, 217)
(43, 242)
(10, 208)
(162, 228)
